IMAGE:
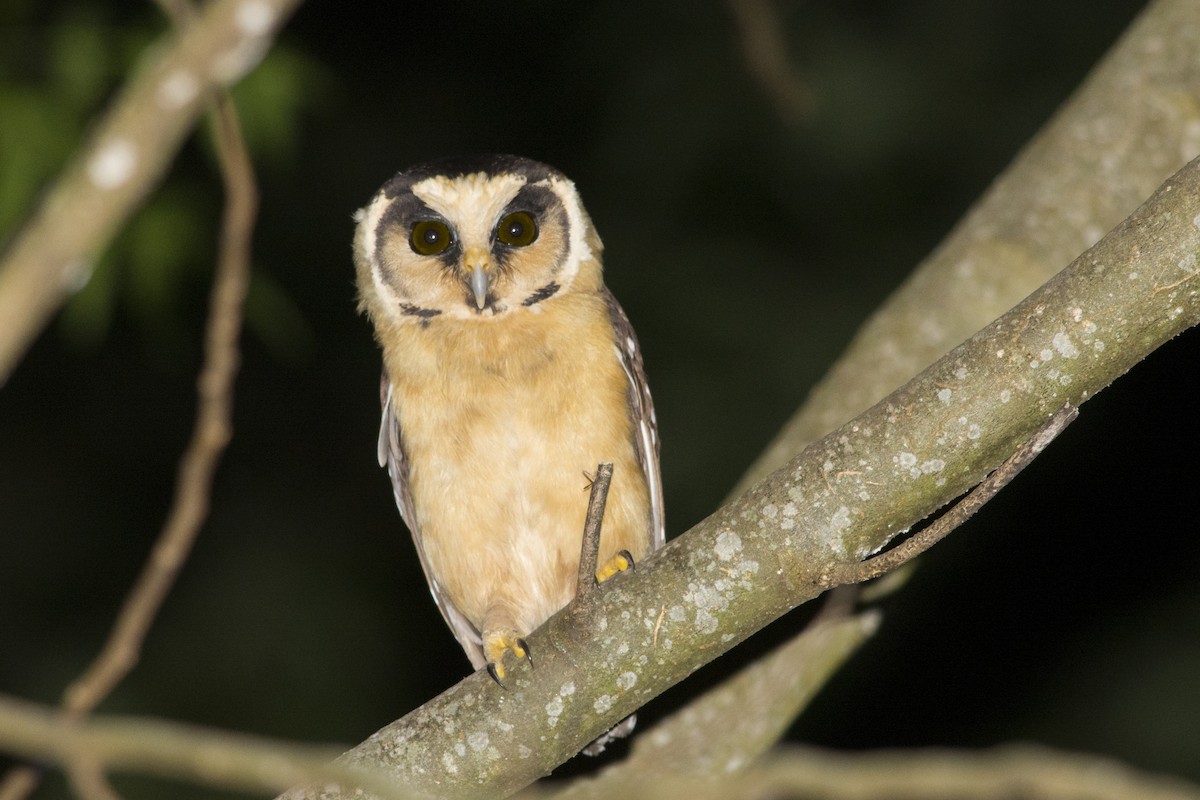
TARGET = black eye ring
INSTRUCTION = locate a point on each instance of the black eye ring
(518, 229)
(430, 237)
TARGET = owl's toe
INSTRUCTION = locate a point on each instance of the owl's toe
(496, 644)
(620, 562)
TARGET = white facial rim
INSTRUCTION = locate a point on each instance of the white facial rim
(368, 223)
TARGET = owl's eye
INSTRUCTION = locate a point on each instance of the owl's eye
(430, 237)
(517, 229)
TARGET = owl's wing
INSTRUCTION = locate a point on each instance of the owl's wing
(641, 408)
(391, 455)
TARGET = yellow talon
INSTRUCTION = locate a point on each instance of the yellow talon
(620, 562)
(496, 644)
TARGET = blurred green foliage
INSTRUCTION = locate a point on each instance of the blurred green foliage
(58, 69)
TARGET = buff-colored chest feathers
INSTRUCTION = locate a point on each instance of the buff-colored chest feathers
(500, 420)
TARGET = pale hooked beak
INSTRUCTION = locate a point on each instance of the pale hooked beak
(480, 283)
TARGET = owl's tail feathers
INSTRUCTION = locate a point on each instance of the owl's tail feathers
(618, 731)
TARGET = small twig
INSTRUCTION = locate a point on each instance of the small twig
(87, 779)
(180, 12)
(961, 511)
(765, 51)
(20, 782)
(210, 436)
(589, 552)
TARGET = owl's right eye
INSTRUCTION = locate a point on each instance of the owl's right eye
(430, 237)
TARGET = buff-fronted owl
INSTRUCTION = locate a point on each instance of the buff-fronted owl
(509, 372)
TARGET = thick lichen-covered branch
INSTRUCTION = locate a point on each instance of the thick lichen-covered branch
(1134, 121)
(727, 728)
(842, 499)
(122, 161)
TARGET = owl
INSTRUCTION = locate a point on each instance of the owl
(509, 372)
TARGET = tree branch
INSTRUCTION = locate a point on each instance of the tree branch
(960, 512)
(840, 500)
(1090, 165)
(723, 730)
(154, 747)
(589, 551)
(765, 50)
(728, 728)
(1031, 773)
(124, 158)
(211, 434)
(1125, 130)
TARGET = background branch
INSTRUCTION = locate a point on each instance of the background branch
(764, 48)
(1129, 126)
(154, 747)
(809, 773)
(123, 159)
(213, 427)
(211, 435)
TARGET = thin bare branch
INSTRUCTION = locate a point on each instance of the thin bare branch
(210, 435)
(87, 779)
(765, 51)
(960, 512)
(19, 782)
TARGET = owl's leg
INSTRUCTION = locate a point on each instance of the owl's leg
(619, 562)
(499, 637)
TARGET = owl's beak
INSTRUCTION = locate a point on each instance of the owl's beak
(478, 261)
(480, 283)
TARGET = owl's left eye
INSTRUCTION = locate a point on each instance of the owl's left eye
(518, 229)
(430, 237)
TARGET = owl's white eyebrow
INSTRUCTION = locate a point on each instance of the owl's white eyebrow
(471, 197)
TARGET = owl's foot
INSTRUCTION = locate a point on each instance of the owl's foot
(496, 644)
(618, 563)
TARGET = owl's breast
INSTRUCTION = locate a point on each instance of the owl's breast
(499, 424)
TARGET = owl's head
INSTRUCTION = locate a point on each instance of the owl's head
(477, 238)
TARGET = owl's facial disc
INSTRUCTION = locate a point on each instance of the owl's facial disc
(473, 244)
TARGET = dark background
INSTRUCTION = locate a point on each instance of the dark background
(1066, 613)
